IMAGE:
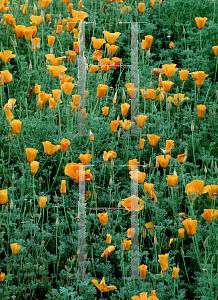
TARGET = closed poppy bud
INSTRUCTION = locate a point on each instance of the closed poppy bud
(172, 180)
(52, 103)
(167, 85)
(85, 158)
(102, 89)
(59, 28)
(49, 148)
(31, 154)
(65, 143)
(114, 125)
(190, 226)
(3, 197)
(70, 8)
(80, 4)
(183, 74)
(175, 272)
(93, 69)
(124, 109)
(34, 167)
(200, 22)
(105, 110)
(126, 245)
(25, 11)
(42, 201)
(163, 161)
(108, 251)
(163, 260)
(108, 240)
(181, 232)
(153, 139)
(143, 270)
(2, 277)
(16, 126)
(15, 247)
(51, 40)
(141, 7)
(201, 110)
(111, 37)
(103, 218)
(141, 144)
(63, 187)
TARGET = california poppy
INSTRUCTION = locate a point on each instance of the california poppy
(215, 50)
(163, 160)
(172, 180)
(153, 139)
(42, 202)
(133, 164)
(15, 247)
(102, 89)
(190, 226)
(3, 197)
(74, 171)
(55, 61)
(182, 158)
(200, 22)
(34, 167)
(183, 74)
(140, 120)
(210, 214)
(195, 189)
(212, 190)
(16, 126)
(150, 226)
(65, 143)
(200, 78)
(102, 286)
(7, 76)
(140, 178)
(6, 56)
(171, 44)
(146, 43)
(111, 37)
(201, 110)
(141, 7)
(143, 269)
(114, 125)
(167, 85)
(108, 240)
(175, 272)
(125, 125)
(124, 109)
(2, 277)
(85, 158)
(127, 203)
(105, 110)
(177, 99)
(19, 30)
(169, 70)
(131, 232)
(111, 49)
(181, 232)
(31, 154)
(126, 244)
(56, 70)
(67, 87)
(103, 218)
(93, 69)
(163, 260)
(97, 43)
(49, 148)
(106, 64)
(63, 187)
(141, 144)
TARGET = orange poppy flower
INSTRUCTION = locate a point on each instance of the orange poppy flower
(102, 286)
(148, 189)
(167, 86)
(93, 69)
(125, 125)
(49, 148)
(103, 218)
(42, 202)
(67, 87)
(200, 22)
(102, 89)
(126, 244)
(55, 61)
(181, 232)
(182, 158)
(6, 56)
(212, 190)
(195, 188)
(201, 110)
(65, 143)
(143, 270)
(114, 125)
(200, 78)
(172, 180)
(51, 40)
(190, 226)
(163, 161)
(153, 139)
(215, 50)
(169, 70)
(133, 164)
(163, 260)
(177, 99)
(140, 120)
(85, 158)
(111, 49)
(175, 272)
(141, 176)
(80, 15)
(31, 154)
(111, 37)
(71, 55)
(16, 126)
(97, 43)
(19, 30)
(106, 64)
(3, 197)
(7, 77)
(146, 43)
(141, 7)
(34, 167)
(15, 247)
(183, 74)
(63, 187)
(136, 205)
(56, 70)
(105, 110)
(141, 144)
(210, 214)
(124, 109)
(36, 20)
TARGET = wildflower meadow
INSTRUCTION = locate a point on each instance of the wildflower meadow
(109, 149)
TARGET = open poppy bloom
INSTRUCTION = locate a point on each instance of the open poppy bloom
(97, 43)
(85, 158)
(148, 189)
(200, 22)
(140, 120)
(153, 139)
(169, 146)
(49, 148)
(190, 226)
(210, 214)
(126, 244)
(102, 89)
(75, 171)
(106, 64)
(36, 20)
(93, 69)
(131, 203)
(169, 70)
(163, 160)
(6, 56)
(200, 78)
(125, 125)
(102, 286)
(137, 176)
(19, 30)
(111, 37)
(195, 188)
(212, 190)
(177, 99)
(167, 85)
(163, 260)
(108, 251)
(5, 77)
(55, 61)
(56, 70)
(172, 180)
(80, 15)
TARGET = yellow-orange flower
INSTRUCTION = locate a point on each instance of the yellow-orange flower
(126, 244)
(140, 120)
(108, 240)
(201, 110)
(181, 232)
(172, 180)
(200, 22)
(212, 190)
(56, 70)
(2, 277)
(200, 78)
(153, 139)
(148, 189)
(127, 203)
(163, 161)
(215, 50)
(31, 154)
(141, 144)
(210, 214)
(103, 218)
(195, 188)
(65, 143)
(108, 251)
(102, 89)
(183, 74)
(3, 197)
(133, 164)
(124, 109)
(111, 37)
(16, 126)
(141, 7)
(6, 56)
(15, 247)
(97, 43)
(63, 187)
(167, 85)
(175, 272)
(169, 70)
(163, 260)
(190, 226)
(105, 110)
(140, 178)
(182, 158)
(85, 158)
(49, 148)
(146, 43)
(102, 286)
(51, 40)
(143, 270)
(114, 125)
(34, 167)
(42, 202)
